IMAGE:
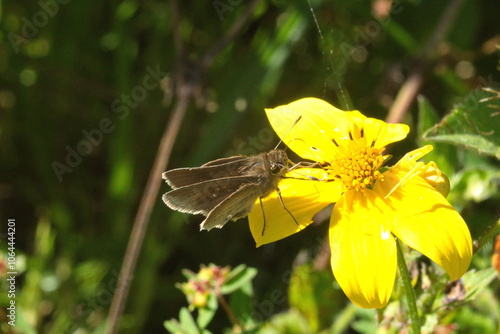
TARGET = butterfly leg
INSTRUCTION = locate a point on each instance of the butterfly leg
(306, 164)
(263, 214)
(307, 177)
(284, 207)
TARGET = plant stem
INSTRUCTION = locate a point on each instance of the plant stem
(228, 311)
(141, 221)
(408, 291)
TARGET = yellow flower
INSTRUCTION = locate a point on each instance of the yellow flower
(207, 281)
(372, 207)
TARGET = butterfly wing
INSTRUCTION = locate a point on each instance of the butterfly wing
(220, 168)
(204, 196)
(237, 205)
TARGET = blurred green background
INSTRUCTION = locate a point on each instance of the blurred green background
(74, 69)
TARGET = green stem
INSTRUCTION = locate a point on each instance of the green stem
(487, 236)
(408, 291)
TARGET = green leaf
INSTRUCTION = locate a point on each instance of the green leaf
(238, 277)
(444, 155)
(474, 124)
(241, 304)
(477, 181)
(427, 115)
(173, 326)
(478, 184)
(366, 322)
(187, 322)
(476, 282)
(236, 271)
(402, 36)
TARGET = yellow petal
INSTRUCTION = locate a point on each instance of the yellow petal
(430, 172)
(313, 128)
(427, 222)
(409, 161)
(435, 178)
(363, 250)
(381, 133)
(302, 198)
(311, 137)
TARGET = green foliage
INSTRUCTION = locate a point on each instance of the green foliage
(443, 154)
(476, 282)
(318, 307)
(474, 177)
(291, 322)
(313, 295)
(185, 325)
(473, 124)
(237, 278)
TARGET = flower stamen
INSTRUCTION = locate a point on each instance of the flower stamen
(357, 166)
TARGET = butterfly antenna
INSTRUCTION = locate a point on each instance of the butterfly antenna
(286, 134)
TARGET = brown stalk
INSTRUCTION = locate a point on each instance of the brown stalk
(186, 89)
(412, 85)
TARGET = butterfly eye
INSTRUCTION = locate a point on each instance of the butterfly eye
(276, 168)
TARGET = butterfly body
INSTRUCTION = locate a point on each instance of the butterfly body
(225, 189)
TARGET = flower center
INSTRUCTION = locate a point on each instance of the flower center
(358, 166)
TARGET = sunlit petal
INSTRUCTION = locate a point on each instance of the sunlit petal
(302, 198)
(427, 222)
(435, 178)
(381, 133)
(430, 172)
(308, 125)
(363, 249)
